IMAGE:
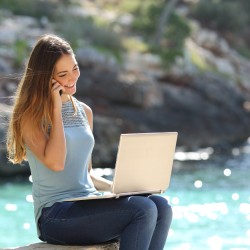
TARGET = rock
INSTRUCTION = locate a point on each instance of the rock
(36, 246)
(223, 65)
(5, 111)
(213, 59)
(107, 132)
(125, 19)
(210, 40)
(205, 110)
(121, 88)
(6, 168)
(146, 64)
(5, 67)
(89, 56)
(9, 170)
(8, 87)
(193, 105)
(217, 54)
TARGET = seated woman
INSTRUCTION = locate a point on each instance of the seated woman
(53, 130)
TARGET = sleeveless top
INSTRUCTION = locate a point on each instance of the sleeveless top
(50, 186)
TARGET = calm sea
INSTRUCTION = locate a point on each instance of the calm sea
(209, 194)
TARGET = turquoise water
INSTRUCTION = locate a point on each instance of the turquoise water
(210, 199)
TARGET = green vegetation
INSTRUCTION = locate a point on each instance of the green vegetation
(145, 23)
(78, 30)
(21, 50)
(222, 15)
(115, 38)
(83, 31)
(134, 44)
(37, 9)
(230, 18)
(199, 61)
(175, 36)
(244, 51)
(102, 34)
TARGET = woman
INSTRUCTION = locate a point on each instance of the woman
(53, 131)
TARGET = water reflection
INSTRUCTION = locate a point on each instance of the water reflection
(215, 242)
(245, 208)
(174, 200)
(30, 179)
(235, 196)
(194, 212)
(29, 198)
(26, 226)
(198, 184)
(210, 200)
(11, 207)
(209, 196)
(227, 172)
(203, 154)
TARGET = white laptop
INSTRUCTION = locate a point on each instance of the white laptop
(143, 165)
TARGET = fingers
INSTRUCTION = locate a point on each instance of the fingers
(57, 87)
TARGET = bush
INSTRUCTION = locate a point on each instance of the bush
(175, 36)
(175, 32)
(222, 15)
(79, 30)
(37, 8)
(146, 16)
(21, 49)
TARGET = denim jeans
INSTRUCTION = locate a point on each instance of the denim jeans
(138, 222)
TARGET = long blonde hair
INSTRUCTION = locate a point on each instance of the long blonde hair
(33, 100)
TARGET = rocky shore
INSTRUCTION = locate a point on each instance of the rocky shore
(209, 108)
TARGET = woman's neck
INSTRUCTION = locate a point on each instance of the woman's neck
(65, 98)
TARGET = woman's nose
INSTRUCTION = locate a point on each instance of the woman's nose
(73, 78)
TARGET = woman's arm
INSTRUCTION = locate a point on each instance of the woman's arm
(49, 149)
(100, 183)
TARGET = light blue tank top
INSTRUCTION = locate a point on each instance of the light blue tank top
(50, 186)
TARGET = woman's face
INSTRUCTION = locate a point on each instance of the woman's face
(67, 73)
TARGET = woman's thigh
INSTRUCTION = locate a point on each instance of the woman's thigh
(93, 221)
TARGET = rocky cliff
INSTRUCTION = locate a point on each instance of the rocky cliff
(208, 106)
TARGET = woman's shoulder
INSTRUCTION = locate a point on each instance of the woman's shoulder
(86, 109)
(83, 106)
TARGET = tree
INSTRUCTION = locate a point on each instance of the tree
(163, 20)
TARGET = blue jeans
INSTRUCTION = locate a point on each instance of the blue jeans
(138, 222)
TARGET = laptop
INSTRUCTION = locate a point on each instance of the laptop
(143, 165)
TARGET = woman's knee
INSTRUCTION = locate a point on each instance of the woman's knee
(163, 207)
(144, 208)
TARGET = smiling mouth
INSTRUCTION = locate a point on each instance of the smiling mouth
(69, 86)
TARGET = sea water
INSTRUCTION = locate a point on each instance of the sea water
(209, 195)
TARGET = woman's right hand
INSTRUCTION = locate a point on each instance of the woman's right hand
(56, 91)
